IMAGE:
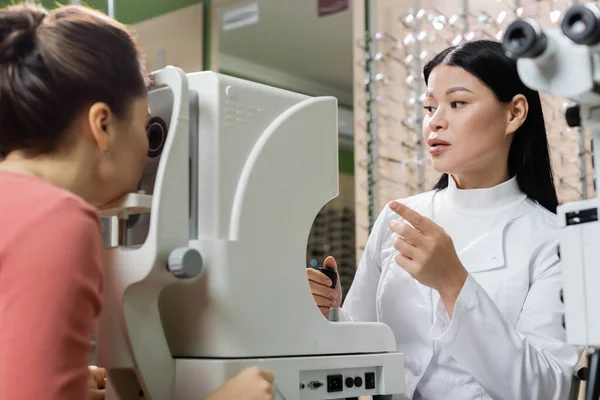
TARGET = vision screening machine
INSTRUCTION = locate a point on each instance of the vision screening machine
(206, 268)
(565, 62)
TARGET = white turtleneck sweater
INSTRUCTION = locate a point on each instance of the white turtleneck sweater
(465, 215)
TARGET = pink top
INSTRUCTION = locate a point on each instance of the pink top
(50, 289)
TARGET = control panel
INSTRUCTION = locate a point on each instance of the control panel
(340, 383)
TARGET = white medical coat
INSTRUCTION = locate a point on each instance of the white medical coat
(506, 335)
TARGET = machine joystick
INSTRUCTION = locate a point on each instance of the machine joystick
(334, 312)
(331, 274)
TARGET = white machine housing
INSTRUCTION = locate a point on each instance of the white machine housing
(569, 70)
(244, 170)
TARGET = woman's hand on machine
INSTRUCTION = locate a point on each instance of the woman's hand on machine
(320, 287)
(97, 383)
(251, 384)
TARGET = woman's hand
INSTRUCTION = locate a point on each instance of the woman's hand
(252, 383)
(320, 287)
(97, 383)
(427, 253)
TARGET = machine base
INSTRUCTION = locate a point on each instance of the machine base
(299, 378)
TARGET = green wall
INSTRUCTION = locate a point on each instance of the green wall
(346, 161)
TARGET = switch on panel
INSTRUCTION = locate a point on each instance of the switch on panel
(370, 380)
(358, 381)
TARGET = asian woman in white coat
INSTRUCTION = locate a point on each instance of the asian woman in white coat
(468, 275)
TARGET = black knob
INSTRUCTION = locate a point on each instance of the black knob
(358, 381)
(331, 274)
(573, 116)
(349, 382)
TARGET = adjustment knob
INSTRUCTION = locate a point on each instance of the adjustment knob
(185, 263)
(573, 116)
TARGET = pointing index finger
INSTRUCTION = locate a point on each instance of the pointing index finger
(421, 223)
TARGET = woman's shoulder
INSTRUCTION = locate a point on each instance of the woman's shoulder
(26, 190)
(540, 218)
(29, 202)
(535, 231)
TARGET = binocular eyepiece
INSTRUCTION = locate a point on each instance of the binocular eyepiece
(524, 38)
(581, 24)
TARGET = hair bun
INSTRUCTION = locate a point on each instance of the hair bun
(18, 27)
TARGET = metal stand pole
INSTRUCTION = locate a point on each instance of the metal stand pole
(582, 164)
(111, 8)
(581, 150)
(417, 93)
(371, 117)
(465, 16)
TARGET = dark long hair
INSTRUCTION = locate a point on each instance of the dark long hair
(529, 156)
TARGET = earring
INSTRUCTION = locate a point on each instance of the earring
(106, 152)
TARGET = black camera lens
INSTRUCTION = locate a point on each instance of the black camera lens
(157, 136)
(581, 24)
(524, 39)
